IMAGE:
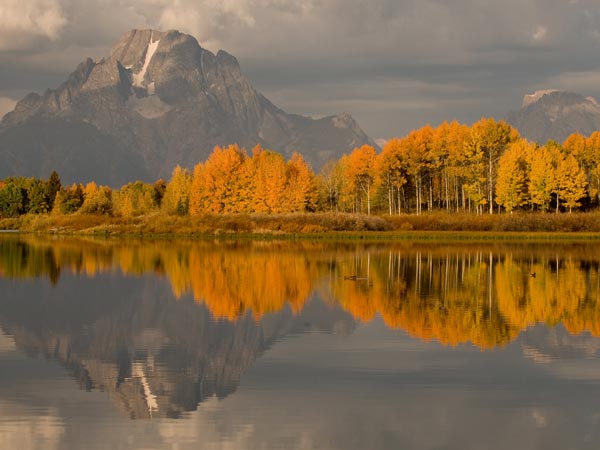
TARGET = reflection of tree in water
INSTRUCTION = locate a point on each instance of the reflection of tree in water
(483, 294)
(18, 259)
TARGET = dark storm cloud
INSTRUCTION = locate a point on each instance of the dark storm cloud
(393, 64)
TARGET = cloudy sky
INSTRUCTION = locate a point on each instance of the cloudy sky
(393, 64)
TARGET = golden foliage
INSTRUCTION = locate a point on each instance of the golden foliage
(177, 194)
(455, 295)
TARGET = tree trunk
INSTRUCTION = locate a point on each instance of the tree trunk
(491, 181)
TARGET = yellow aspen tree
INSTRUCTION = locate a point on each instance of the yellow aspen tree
(473, 173)
(198, 192)
(347, 199)
(582, 149)
(133, 199)
(177, 194)
(492, 138)
(96, 199)
(90, 197)
(593, 152)
(513, 174)
(329, 184)
(392, 169)
(571, 182)
(441, 148)
(457, 162)
(361, 174)
(417, 150)
(575, 145)
(542, 178)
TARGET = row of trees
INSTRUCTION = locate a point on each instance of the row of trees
(230, 181)
(483, 168)
(486, 167)
(28, 195)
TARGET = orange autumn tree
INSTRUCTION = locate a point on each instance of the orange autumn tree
(417, 148)
(359, 172)
(231, 182)
(300, 185)
(198, 193)
(268, 176)
(392, 169)
(222, 184)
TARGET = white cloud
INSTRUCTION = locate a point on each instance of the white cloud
(21, 21)
(540, 34)
(500, 50)
(209, 20)
(585, 82)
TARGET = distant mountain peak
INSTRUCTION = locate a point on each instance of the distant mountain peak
(157, 100)
(530, 99)
(554, 114)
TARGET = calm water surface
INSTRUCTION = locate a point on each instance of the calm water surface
(266, 345)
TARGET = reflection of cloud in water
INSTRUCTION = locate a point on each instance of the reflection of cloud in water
(7, 343)
(566, 356)
(539, 417)
(536, 355)
(22, 430)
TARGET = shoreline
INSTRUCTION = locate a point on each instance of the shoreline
(526, 227)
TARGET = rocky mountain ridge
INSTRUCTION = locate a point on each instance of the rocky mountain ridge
(555, 115)
(159, 99)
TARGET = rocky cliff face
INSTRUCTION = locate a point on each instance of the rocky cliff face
(555, 115)
(159, 99)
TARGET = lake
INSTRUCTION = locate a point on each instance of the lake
(175, 344)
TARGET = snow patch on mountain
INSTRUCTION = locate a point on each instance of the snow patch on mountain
(138, 78)
(530, 99)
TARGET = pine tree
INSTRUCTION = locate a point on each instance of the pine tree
(53, 185)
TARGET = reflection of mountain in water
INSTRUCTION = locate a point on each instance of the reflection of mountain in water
(153, 356)
(546, 345)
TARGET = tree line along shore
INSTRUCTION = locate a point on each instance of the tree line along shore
(446, 178)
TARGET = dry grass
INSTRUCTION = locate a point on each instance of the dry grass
(314, 224)
(517, 222)
(162, 224)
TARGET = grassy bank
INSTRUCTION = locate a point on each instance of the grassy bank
(517, 222)
(161, 224)
(437, 226)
